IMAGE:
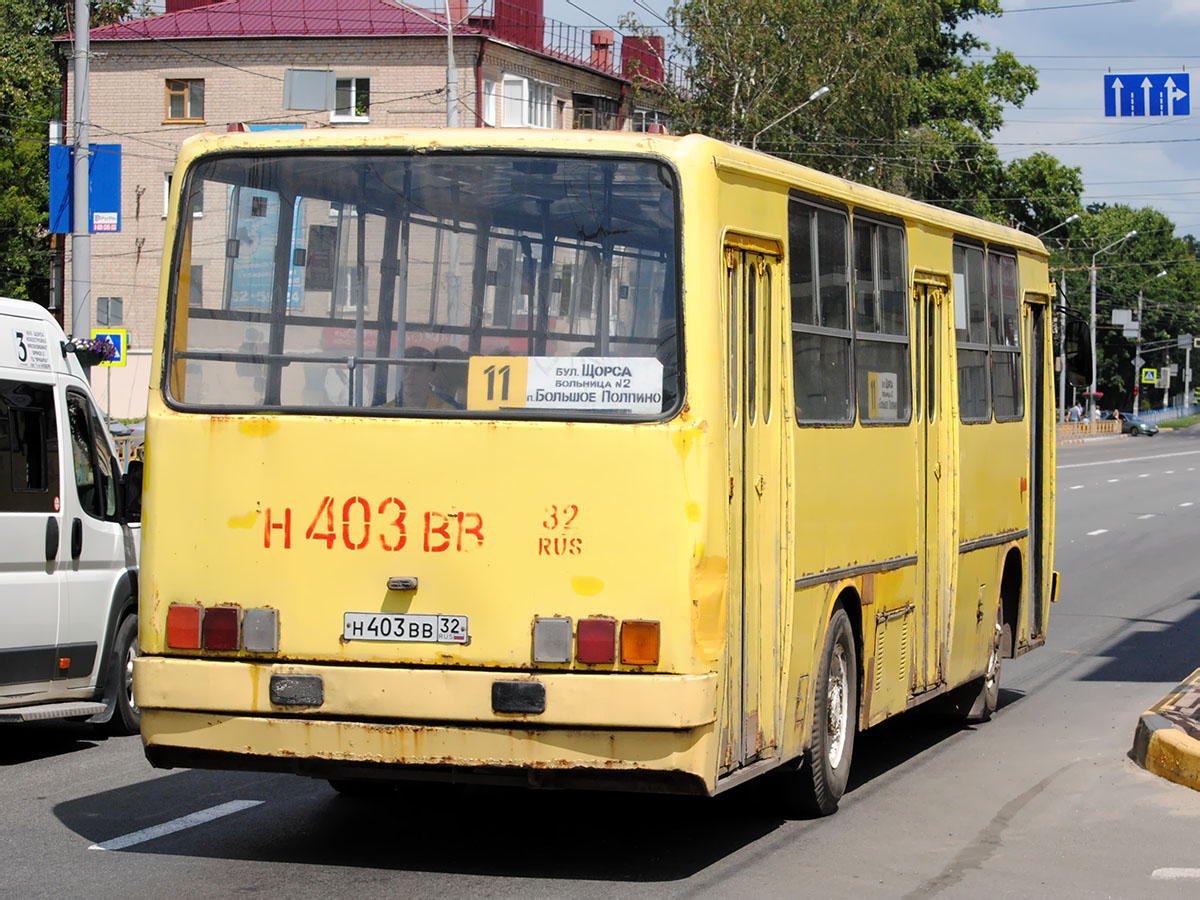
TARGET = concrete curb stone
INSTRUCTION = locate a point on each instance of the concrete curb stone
(1167, 738)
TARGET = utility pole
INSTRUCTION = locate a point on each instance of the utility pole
(81, 239)
(1062, 350)
(1137, 356)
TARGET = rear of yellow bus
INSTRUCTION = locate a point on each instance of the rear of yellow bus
(423, 498)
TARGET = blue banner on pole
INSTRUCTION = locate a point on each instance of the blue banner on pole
(104, 188)
(1166, 94)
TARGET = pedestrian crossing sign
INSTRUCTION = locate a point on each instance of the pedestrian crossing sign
(119, 339)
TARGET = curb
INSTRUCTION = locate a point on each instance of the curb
(1167, 739)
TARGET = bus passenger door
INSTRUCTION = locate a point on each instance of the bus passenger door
(1038, 413)
(757, 510)
(938, 552)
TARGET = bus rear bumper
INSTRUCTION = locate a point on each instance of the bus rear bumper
(671, 761)
(642, 731)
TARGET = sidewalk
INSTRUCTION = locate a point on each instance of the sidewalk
(1167, 739)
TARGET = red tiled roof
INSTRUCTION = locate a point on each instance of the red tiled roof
(278, 18)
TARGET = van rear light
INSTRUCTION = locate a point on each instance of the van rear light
(260, 630)
(551, 639)
(639, 643)
(597, 641)
(183, 626)
(221, 628)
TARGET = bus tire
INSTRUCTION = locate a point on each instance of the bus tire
(126, 719)
(988, 696)
(818, 784)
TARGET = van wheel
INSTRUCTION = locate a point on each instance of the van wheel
(125, 718)
(818, 784)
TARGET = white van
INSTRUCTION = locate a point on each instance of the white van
(69, 536)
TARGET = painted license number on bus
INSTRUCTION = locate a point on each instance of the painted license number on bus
(428, 629)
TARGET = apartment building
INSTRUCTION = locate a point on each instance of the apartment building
(213, 65)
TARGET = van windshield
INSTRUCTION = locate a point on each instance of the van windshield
(441, 284)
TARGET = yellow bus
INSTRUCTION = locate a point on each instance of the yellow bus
(580, 459)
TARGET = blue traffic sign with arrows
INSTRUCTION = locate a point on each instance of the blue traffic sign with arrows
(1167, 94)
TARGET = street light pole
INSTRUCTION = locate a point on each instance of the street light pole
(815, 95)
(451, 65)
(1092, 389)
(1074, 217)
(1137, 354)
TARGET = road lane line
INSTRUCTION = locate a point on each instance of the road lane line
(1169, 472)
(1188, 503)
(1147, 516)
(1076, 487)
(1109, 462)
(1113, 480)
(1097, 531)
(1144, 475)
(189, 821)
(1169, 874)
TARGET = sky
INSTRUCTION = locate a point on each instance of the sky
(1139, 161)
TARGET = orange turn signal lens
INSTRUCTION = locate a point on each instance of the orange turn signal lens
(639, 643)
(183, 626)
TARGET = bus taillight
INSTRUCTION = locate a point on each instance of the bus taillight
(596, 641)
(183, 626)
(221, 631)
(639, 643)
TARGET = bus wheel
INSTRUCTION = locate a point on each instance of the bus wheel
(126, 719)
(989, 686)
(818, 784)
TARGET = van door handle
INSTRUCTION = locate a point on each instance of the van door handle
(51, 538)
(76, 538)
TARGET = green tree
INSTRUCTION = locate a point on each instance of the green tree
(30, 97)
(1169, 308)
(908, 110)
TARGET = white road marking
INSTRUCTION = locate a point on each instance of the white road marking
(1147, 516)
(1113, 480)
(1097, 531)
(189, 821)
(1189, 503)
(1174, 874)
(1169, 472)
(1109, 462)
(1076, 487)
(1144, 475)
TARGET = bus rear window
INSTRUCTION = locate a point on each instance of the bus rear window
(460, 285)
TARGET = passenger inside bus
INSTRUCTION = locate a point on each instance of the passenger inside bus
(448, 386)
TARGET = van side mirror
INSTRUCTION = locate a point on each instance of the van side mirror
(131, 491)
(1077, 346)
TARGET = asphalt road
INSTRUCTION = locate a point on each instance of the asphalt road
(1042, 801)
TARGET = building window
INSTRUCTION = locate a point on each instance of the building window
(185, 100)
(109, 311)
(594, 113)
(197, 197)
(526, 103)
(487, 112)
(643, 118)
(353, 100)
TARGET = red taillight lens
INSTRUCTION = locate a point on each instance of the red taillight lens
(221, 628)
(596, 641)
(183, 626)
(639, 642)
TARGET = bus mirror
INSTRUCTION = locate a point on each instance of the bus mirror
(1078, 352)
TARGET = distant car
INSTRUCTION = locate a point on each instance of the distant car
(1132, 425)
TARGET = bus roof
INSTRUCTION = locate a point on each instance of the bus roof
(750, 163)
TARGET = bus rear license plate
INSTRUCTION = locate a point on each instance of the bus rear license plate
(429, 629)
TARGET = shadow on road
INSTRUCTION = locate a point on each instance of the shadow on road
(472, 830)
(43, 740)
(1152, 650)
